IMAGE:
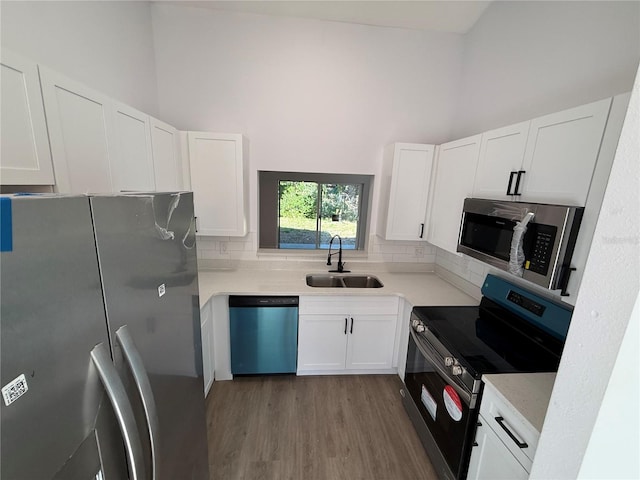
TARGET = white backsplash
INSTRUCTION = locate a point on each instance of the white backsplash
(463, 266)
(378, 251)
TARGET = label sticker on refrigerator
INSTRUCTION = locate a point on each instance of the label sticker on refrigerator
(13, 390)
(6, 225)
(429, 402)
(162, 290)
(452, 403)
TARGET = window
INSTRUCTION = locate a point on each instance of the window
(305, 210)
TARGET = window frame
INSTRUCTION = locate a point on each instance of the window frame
(268, 208)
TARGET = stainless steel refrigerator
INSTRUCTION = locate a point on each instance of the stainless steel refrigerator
(100, 338)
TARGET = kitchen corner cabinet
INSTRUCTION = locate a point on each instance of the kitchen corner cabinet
(454, 175)
(406, 180)
(346, 334)
(165, 148)
(25, 154)
(81, 132)
(206, 327)
(218, 166)
(133, 165)
(561, 154)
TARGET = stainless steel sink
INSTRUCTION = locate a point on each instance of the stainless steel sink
(329, 280)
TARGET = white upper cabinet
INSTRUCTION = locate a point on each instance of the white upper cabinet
(80, 123)
(562, 150)
(167, 167)
(25, 154)
(133, 163)
(219, 182)
(501, 157)
(406, 176)
(454, 174)
(550, 159)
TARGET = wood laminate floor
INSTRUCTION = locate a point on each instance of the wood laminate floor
(324, 428)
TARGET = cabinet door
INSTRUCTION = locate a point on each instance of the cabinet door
(371, 341)
(491, 459)
(206, 326)
(165, 147)
(218, 183)
(80, 123)
(454, 175)
(322, 342)
(25, 154)
(561, 154)
(133, 169)
(410, 180)
(501, 152)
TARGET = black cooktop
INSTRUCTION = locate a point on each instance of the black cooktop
(490, 339)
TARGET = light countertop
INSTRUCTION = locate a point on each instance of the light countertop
(528, 393)
(417, 288)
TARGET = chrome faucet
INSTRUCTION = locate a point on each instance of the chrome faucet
(340, 268)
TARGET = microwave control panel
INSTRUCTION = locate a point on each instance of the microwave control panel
(542, 248)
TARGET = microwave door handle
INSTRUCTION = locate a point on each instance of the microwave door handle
(136, 366)
(117, 395)
(511, 175)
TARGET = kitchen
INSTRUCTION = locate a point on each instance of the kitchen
(287, 96)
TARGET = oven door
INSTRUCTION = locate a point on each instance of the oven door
(445, 419)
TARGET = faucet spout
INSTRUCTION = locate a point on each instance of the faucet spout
(340, 268)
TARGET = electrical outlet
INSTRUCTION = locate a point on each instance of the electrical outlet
(419, 252)
(223, 247)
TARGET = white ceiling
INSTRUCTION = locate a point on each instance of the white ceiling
(444, 16)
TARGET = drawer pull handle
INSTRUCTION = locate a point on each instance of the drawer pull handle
(520, 444)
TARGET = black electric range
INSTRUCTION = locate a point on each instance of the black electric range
(450, 347)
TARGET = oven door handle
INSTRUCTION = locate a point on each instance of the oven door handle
(426, 351)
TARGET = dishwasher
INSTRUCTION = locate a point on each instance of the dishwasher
(264, 334)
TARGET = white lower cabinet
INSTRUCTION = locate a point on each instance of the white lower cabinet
(206, 326)
(491, 460)
(506, 442)
(346, 334)
(322, 342)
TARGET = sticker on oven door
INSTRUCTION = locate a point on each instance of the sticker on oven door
(429, 402)
(452, 403)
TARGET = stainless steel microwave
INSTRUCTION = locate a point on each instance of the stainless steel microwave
(487, 232)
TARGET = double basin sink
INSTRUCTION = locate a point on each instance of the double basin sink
(339, 280)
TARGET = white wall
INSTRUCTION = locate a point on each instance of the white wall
(106, 45)
(615, 442)
(309, 95)
(528, 58)
(604, 306)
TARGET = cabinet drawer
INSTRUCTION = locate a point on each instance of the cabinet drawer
(351, 305)
(515, 432)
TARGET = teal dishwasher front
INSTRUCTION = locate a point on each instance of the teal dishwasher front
(264, 334)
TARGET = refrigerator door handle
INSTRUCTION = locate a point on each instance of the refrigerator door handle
(121, 407)
(134, 360)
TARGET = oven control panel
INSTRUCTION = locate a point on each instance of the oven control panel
(526, 303)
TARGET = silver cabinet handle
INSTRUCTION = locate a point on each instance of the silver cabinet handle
(122, 408)
(134, 360)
